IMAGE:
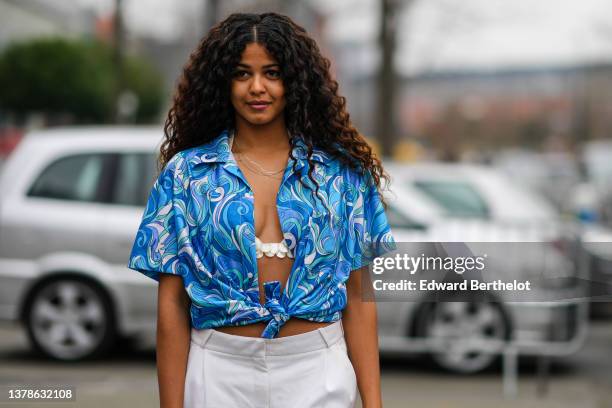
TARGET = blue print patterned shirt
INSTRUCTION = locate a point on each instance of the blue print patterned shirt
(199, 223)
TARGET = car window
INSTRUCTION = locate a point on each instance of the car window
(459, 199)
(397, 219)
(598, 165)
(135, 176)
(75, 178)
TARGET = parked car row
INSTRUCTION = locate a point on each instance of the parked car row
(73, 198)
(576, 184)
(435, 202)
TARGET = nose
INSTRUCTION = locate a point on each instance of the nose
(257, 85)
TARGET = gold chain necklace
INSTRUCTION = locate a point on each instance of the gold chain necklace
(260, 170)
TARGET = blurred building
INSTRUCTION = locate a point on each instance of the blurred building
(453, 113)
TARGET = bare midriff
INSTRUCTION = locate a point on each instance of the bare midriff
(292, 327)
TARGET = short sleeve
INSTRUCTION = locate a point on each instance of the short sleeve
(156, 246)
(370, 234)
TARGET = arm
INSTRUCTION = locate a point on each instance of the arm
(173, 339)
(359, 320)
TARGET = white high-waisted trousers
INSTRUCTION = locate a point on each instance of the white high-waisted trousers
(302, 371)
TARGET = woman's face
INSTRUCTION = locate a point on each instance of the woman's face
(258, 93)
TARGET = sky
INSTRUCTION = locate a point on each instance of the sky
(435, 35)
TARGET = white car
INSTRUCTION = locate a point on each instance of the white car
(477, 206)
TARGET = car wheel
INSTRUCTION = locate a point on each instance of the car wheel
(463, 327)
(69, 319)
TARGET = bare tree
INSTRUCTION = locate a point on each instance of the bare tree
(386, 125)
(119, 50)
(386, 77)
(211, 14)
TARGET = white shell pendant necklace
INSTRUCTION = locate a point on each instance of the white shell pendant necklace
(271, 249)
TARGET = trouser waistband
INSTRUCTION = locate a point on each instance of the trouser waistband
(257, 346)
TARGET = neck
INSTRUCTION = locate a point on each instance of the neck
(264, 139)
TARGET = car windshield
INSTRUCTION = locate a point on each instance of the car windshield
(599, 165)
(458, 199)
(397, 219)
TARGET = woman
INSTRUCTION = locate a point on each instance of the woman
(266, 207)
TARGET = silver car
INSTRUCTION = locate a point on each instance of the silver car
(71, 204)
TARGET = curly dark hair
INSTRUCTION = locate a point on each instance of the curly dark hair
(202, 107)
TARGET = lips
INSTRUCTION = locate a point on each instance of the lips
(259, 105)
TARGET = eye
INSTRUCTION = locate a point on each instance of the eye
(239, 73)
(274, 73)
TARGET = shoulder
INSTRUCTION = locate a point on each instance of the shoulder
(351, 179)
(357, 177)
(205, 153)
(175, 168)
(333, 165)
(182, 163)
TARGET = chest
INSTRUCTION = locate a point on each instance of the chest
(231, 207)
(264, 205)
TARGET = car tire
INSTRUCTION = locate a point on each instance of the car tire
(69, 319)
(459, 326)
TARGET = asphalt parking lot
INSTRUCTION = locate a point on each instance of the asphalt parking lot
(128, 378)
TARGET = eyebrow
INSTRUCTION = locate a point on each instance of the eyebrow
(265, 66)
